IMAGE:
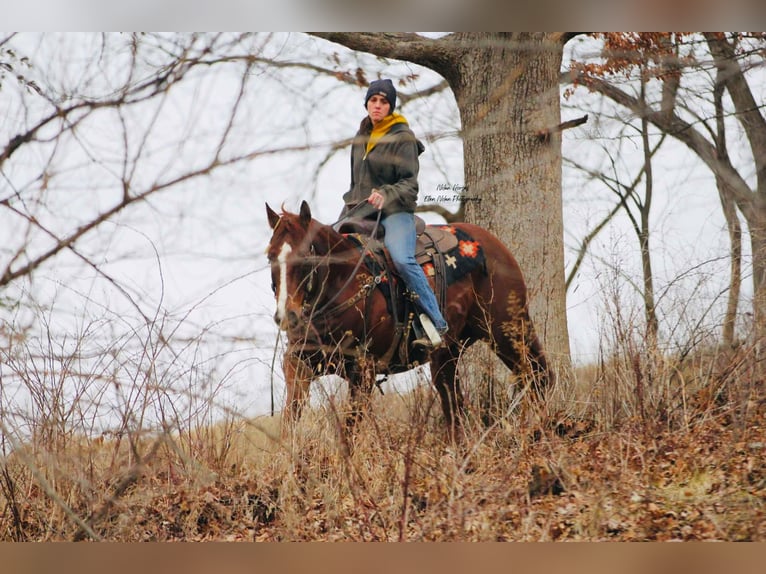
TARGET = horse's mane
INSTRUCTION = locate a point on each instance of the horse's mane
(322, 236)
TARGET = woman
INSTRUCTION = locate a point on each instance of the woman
(384, 173)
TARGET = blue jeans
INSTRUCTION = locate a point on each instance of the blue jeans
(400, 242)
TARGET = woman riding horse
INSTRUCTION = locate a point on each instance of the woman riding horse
(332, 306)
(384, 173)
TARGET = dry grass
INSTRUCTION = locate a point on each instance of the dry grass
(685, 462)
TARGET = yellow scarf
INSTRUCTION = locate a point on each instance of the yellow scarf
(382, 129)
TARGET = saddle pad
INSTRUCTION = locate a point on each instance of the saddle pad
(466, 256)
(434, 239)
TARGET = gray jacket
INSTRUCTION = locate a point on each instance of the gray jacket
(391, 166)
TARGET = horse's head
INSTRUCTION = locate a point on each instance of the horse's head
(300, 264)
(288, 251)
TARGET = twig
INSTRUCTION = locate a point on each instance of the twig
(544, 136)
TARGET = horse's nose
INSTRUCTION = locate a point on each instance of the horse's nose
(293, 320)
(290, 321)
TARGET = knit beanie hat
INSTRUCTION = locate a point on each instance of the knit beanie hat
(384, 88)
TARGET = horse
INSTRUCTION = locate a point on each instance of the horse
(338, 318)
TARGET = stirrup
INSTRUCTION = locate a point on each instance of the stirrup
(432, 339)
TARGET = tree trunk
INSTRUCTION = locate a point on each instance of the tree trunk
(508, 93)
(732, 221)
(751, 205)
(650, 310)
(758, 246)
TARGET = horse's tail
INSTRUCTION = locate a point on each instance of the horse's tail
(543, 376)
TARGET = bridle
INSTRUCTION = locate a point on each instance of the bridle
(326, 308)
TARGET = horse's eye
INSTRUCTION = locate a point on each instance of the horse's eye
(274, 288)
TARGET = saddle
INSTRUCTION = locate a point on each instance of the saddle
(430, 240)
(432, 245)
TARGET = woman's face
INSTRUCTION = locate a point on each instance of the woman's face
(378, 108)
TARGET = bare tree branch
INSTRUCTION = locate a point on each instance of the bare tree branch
(681, 130)
(545, 135)
(748, 111)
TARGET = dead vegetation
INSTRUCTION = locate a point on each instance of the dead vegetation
(686, 462)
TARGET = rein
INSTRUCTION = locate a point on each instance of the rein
(325, 308)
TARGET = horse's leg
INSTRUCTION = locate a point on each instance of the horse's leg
(517, 345)
(361, 381)
(444, 379)
(298, 377)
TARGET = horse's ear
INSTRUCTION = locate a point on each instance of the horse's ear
(272, 215)
(305, 214)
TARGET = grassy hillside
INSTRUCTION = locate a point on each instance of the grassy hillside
(627, 450)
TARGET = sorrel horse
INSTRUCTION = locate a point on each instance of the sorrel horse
(338, 319)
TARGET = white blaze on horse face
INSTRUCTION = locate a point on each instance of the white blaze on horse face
(282, 289)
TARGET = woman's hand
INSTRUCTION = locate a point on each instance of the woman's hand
(376, 199)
